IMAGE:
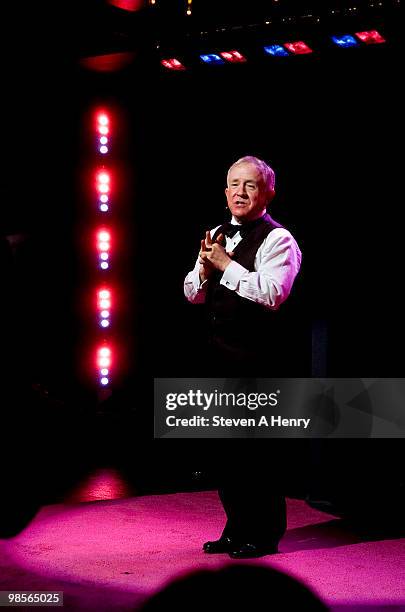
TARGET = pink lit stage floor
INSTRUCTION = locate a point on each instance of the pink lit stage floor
(111, 555)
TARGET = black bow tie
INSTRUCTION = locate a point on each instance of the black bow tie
(230, 229)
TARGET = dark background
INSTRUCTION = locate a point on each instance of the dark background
(327, 123)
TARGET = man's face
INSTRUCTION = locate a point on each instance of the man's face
(246, 194)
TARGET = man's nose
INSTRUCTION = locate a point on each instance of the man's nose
(241, 190)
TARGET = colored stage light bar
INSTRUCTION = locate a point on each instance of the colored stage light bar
(103, 123)
(234, 57)
(103, 186)
(104, 307)
(212, 58)
(276, 50)
(172, 64)
(298, 48)
(104, 360)
(103, 193)
(345, 40)
(371, 37)
(103, 248)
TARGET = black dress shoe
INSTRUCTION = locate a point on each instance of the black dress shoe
(251, 551)
(222, 545)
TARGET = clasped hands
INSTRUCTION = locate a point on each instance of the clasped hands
(213, 256)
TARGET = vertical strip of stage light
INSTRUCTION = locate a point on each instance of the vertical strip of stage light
(103, 186)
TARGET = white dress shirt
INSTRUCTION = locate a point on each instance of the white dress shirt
(276, 265)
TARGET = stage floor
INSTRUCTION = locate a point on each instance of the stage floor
(111, 555)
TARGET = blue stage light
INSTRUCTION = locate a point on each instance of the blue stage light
(212, 58)
(276, 50)
(345, 40)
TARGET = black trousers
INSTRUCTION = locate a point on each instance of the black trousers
(249, 475)
(254, 503)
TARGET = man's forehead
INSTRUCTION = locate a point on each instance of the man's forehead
(245, 170)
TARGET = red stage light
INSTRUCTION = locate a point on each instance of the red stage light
(298, 48)
(104, 294)
(102, 119)
(103, 244)
(173, 64)
(103, 180)
(103, 236)
(129, 5)
(109, 62)
(233, 56)
(104, 357)
(371, 37)
(104, 362)
(103, 177)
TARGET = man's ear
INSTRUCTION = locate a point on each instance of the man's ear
(270, 196)
(226, 191)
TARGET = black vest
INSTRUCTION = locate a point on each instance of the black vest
(237, 327)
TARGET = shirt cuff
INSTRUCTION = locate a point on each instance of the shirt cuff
(232, 275)
(197, 284)
(195, 280)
